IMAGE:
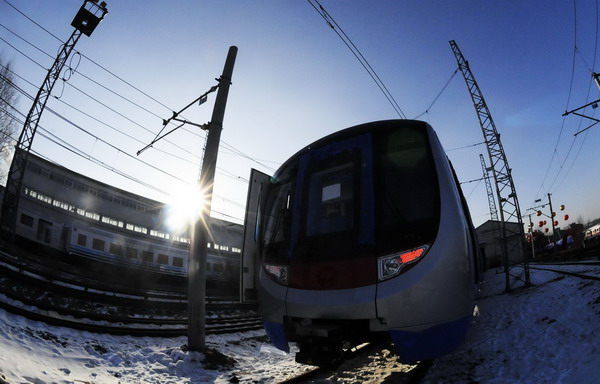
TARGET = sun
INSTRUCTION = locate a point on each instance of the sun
(184, 208)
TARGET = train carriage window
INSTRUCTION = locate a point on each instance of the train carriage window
(277, 221)
(147, 256)
(81, 240)
(26, 220)
(330, 201)
(98, 244)
(162, 259)
(131, 253)
(115, 249)
(409, 192)
(178, 262)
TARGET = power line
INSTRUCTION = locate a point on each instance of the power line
(576, 51)
(438, 95)
(234, 150)
(359, 56)
(64, 144)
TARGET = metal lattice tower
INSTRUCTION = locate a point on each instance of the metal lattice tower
(86, 20)
(489, 190)
(512, 238)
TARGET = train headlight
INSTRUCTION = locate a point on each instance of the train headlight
(392, 265)
(278, 272)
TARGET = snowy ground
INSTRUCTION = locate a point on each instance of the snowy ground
(549, 333)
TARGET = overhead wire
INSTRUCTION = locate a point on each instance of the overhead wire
(239, 178)
(359, 56)
(426, 111)
(555, 154)
(587, 97)
(237, 151)
(70, 148)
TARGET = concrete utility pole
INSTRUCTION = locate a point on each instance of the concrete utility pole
(200, 235)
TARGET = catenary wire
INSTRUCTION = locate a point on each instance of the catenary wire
(236, 151)
(359, 56)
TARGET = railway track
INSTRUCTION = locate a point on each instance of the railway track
(544, 267)
(66, 300)
(142, 327)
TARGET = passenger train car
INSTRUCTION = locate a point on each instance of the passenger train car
(95, 225)
(365, 234)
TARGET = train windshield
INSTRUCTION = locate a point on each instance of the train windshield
(352, 199)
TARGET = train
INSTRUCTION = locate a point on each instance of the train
(362, 235)
(154, 262)
(108, 233)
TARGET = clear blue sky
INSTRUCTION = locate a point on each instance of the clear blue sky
(295, 81)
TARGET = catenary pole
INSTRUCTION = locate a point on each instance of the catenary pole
(200, 230)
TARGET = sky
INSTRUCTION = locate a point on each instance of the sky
(527, 336)
(295, 81)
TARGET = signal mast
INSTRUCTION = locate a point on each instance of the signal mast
(87, 19)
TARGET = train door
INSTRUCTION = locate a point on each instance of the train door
(249, 248)
(44, 231)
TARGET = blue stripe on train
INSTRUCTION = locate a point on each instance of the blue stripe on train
(430, 343)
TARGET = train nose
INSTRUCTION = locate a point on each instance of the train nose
(334, 275)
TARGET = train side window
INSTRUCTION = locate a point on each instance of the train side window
(162, 259)
(115, 249)
(98, 244)
(131, 253)
(178, 262)
(26, 220)
(147, 256)
(82, 240)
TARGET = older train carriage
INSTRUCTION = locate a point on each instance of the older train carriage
(78, 216)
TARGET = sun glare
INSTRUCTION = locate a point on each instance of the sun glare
(185, 208)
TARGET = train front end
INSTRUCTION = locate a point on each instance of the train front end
(364, 234)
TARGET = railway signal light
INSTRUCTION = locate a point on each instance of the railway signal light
(566, 217)
(555, 223)
(562, 207)
(539, 213)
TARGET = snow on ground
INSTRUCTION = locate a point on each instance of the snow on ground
(549, 333)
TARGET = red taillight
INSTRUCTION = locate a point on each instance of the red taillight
(277, 272)
(391, 265)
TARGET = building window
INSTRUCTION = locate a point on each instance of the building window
(92, 215)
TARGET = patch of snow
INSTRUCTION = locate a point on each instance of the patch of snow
(548, 333)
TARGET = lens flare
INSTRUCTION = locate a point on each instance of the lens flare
(185, 208)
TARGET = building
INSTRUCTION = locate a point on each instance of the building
(490, 244)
